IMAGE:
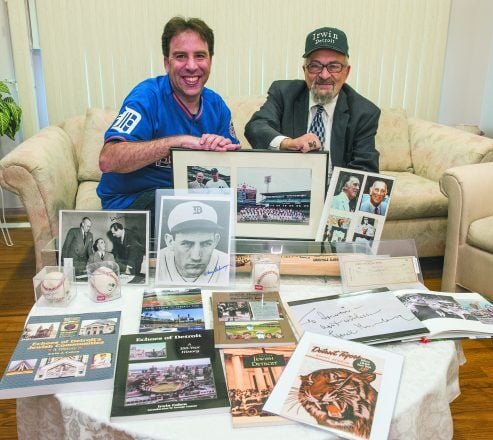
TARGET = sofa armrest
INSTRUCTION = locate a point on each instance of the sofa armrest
(467, 188)
(42, 171)
(436, 147)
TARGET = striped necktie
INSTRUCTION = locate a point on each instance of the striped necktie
(317, 126)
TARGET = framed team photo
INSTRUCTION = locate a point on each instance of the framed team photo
(276, 195)
(194, 240)
(121, 237)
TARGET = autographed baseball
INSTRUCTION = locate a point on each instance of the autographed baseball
(104, 283)
(266, 275)
(55, 287)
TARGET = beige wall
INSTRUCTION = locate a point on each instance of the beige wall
(467, 85)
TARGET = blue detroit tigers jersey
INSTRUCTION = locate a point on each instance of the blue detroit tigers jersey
(152, 111)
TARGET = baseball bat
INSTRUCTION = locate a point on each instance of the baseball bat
(319, 264)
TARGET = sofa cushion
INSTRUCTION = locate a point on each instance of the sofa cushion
(242, 109)
(415, 197)
(74, 127)
(480, 234)
(97, 122)
(86, 198)
(392, 140)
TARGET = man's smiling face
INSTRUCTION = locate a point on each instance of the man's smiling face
(188, 65)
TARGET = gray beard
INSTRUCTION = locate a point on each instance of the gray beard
(321, 99)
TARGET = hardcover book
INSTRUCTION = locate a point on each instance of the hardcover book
(250, 319)
(450, 315)
(168, 373)
(171, 310)
(63, 353)
(251, 374)
(373, 318)
(344, 387)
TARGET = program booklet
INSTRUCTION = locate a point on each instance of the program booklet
(171, 310)
(374, 317)
(63, 353)
(251, 374)
(344, 387)
(250, 319)
(160, 374)
(450, 315)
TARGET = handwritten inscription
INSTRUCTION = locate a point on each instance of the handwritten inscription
(216, 269)
(361, 316)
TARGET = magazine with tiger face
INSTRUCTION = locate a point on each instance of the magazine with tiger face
(344, 387)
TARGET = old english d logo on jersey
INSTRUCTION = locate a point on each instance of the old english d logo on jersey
(126, 121)
(232, 131)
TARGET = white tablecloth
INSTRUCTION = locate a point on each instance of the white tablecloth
(429, 383)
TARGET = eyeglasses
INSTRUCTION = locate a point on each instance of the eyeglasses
(315, 67)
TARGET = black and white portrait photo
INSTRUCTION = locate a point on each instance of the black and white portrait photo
(88, 237)
(194, 241)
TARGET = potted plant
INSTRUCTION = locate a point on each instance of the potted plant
(10, 113)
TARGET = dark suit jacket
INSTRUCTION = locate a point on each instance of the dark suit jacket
(352, 142)
(75, 248)
(131, 252)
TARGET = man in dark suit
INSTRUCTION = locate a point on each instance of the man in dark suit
(321, 112)
(78, 246)
(128, 250)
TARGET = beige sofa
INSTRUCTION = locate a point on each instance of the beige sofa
(468, 259)
(58, 169)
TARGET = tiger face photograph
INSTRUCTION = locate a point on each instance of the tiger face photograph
(340, 399)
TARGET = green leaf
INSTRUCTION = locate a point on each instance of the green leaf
(4, 123)
(15, 112)
(10, 133)
(4, 88)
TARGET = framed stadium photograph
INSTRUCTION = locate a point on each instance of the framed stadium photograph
(277, 195)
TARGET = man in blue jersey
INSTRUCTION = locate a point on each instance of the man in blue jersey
(174, 110)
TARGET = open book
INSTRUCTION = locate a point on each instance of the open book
(450, 315)
(371, 317)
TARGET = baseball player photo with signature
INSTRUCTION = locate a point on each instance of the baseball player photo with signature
(194, 239)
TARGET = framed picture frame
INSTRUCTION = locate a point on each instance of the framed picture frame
(276, 195)
(93, 236)
(194, 240)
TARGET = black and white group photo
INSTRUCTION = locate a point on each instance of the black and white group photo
(88, 237)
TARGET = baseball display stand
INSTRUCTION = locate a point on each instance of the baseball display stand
(54, 286)
(104, 281)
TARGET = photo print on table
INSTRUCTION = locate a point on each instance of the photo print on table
(88, 237)
(356, 207)
(194, 240)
